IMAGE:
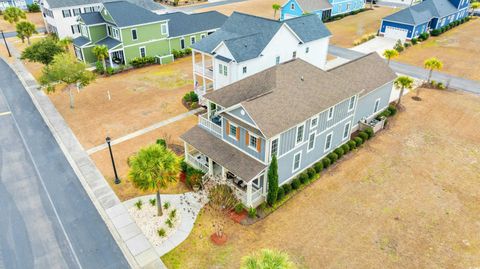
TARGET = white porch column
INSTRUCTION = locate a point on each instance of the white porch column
(185, 149)
(110, 58)
(224, 176)
(265, 184)
(210, 166)
(208, 109)
(249, 194)
(193, 70)
(203, 74)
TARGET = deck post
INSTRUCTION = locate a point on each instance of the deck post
(203, 74)
(224, 178)
(210, 167)
(193, 70)
(249, 194)
(265, 181)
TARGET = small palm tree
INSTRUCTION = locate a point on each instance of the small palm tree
(276, 7)
(267, 259)
(402, 83)
(25, 29)
(153, 168)
(432, 64)
(101, 52)
(13, 14)
(65, 43)
(389, 54)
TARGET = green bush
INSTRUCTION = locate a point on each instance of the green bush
(110, 70)
(166, 205)
(339, 151)
(187, 51)
(239, 208)
(280, 193)
(398, 46)
(162, 142)
(33, 7)
(318, 167)
(153, 201)
(169, 223)
(369, 132)
(363, 135)
(252, 212)
(333, 157)
(435, 32)
(311, 173)
(358, 141)
(352, 144)
(424, 36)
(346, 148)
(99, 68)
(326, 162)
(173, 214)
(392, 109)
(138, 204)
(441, 86)
(296, 184)
(142, 61)
(190, 97)
(414, 41)
(161, 232)
(406, 44)
(287, 188)
(303, 178)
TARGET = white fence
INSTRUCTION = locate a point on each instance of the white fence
(193, 161)
(214, 128)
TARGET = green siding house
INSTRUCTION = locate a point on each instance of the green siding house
(130, 31)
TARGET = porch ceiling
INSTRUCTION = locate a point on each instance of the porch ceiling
(224, 154)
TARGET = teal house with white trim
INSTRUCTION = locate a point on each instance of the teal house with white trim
(323, 8)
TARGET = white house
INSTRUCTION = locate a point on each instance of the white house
(246, 45)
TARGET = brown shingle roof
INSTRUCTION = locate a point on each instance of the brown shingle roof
(234, 160)
(287, 94)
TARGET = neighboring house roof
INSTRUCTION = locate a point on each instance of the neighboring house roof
(80, 41)
(246, 35)
(109, 42)
(224, 154)
(313, 5)
(423, 12)
(183, 24)
(92, 18)
(148, 4)
(287, 94)
(127, 14)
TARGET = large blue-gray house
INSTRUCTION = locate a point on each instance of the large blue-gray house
(323, 8)
(428, 15)
(294, 111)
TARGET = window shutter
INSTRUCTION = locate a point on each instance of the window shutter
(247, 138)
(238, 134)
(228, 128)
(259, 144)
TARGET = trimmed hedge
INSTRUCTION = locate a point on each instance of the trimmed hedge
(352, 144)
(296, 184)
(369, 132)
(142, 61)
(339, 151)
(303, 178)
(363, 135)
(280, 193)
(333, 157)
(346, 148)
(287, 188)
(358, 141)
(311, 172)
(326, 162)
(318, 167)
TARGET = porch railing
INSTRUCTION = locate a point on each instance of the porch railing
(193, 161)
(203, 89)
(208, 72)
(256, 195)
(209, 125)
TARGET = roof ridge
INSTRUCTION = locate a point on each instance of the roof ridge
(255, 16)
(352, 61)
(242, 36)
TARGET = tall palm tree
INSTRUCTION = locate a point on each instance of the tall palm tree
(402, 83)
(65, 43)
(153, 168)
(389, 54)
(431, 64)
(267, 259)
(101, 52)
(13, 14)
(276, 7)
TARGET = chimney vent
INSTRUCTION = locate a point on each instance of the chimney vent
(302, 78)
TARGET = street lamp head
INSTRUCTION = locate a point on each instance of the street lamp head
(108, 139)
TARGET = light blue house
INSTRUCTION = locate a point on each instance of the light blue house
(294, 111)
(22, 4)
(323, 8)
(428, 15)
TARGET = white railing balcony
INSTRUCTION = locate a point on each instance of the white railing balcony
(203, 89)
(210, 125)
(207, 72)
(196, 163)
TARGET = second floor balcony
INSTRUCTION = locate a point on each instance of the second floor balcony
(212, 124)
(205, 69)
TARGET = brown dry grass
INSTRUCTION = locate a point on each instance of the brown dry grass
(140, 98)
(458, 49)
(15, 43)
(124, 150)
(407, 199)
(35, 18)
(261, 8)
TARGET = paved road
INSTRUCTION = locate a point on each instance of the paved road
(414, 71)
(47, 219)
(13, 34)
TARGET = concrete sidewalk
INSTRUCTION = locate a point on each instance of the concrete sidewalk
(133, 243)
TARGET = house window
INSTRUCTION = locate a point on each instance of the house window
(225, 70)
(307, 49)
(351, 104)
(192, 40)
(77, 11)
(300, 130)
(75, 29)
(78, 53)
(233, 131)
(314, 122)
(115, 33)
(348, 7)
(328, 141)
(109, 30)
(292, 6)
(143, 52)
(311, 141)
(294, 55)
(88, 9)
(163, 29)
(330, 113)
(274, 148)
(253, 141)
(66, 13)
(134, 34)
(346, 130)
(83, 30)
(182, 43)
(377, 104)
(296, 161)
(220, 69)
(277, 60)
(244, 69)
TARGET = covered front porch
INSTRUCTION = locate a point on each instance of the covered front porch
(225, 164)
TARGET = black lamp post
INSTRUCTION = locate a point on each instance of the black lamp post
(117, 180)
(6, 45)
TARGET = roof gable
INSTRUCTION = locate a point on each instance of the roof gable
(181, 24)
(126, 14)
(423, 12)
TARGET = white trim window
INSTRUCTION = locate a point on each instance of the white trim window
(376, 106)
(328, 141)
(300, 133)
(83, 30)
(225, 72)
(163, 29)
(116, 34)
(233, 131)
(182, 43)
(88, 9)
(351, 103)
(314, 122)
(277, 60)
(307, 50)
(77, 11)
(330, 113)
(143, 51)
(346, 130)
(294, 54)
(253, 140)
(292, 6)
(297, 161)
(311, 141)
(274, 147)
(220, 69)
(134, 34)
(66, 13)
(244, 70)
(192, 40)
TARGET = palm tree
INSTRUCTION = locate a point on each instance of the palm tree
(65, 43)
(276, 7)
(267, 259)
(431, 64)
(153, 168)
(25, 29)
(101, 52)
(389, 54)
(13, 14)
(402, 83)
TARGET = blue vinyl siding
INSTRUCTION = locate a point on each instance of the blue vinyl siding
(366, 103)
(342, 6)
(238, 113)
(422, 28)
(286, 9)
(397, 25)
(241, 143)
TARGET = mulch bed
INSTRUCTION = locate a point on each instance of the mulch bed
(217, 240)
(238, 217)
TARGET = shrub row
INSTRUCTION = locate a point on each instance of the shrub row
(191, 99)
(390, 111)
(142, 61)
(364, 39)
(451, 25)
(192, 176)
(341, 16)
(181, 53)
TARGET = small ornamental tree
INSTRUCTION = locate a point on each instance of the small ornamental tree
(13, 14)
(402, 83)
(276, 7)
(25, 29)
(272, 181)
(389, 54)
(432, 64)
(222, 201)
(42, 51)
